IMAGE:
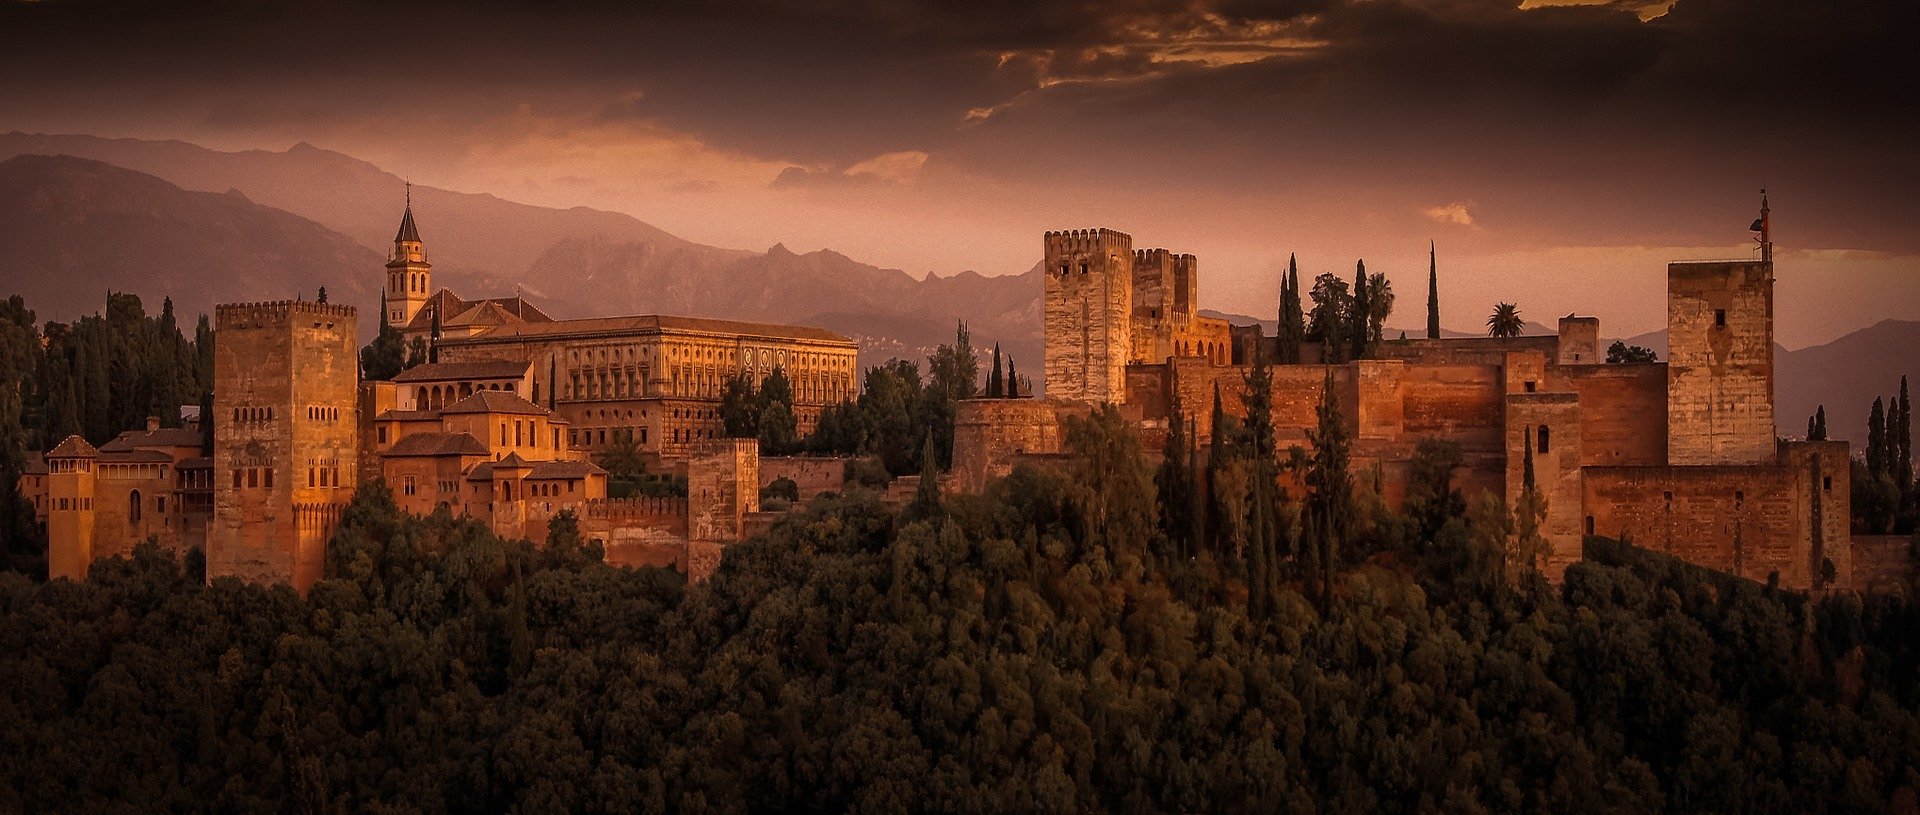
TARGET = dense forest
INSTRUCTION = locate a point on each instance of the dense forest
(1049, 645)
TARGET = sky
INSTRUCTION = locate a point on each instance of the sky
(1557, 153)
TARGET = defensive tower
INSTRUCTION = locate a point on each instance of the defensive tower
(1720, 358)
(286, 441)
(1089, 305)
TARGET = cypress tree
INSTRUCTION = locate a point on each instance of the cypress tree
(1903, 441)
(1013, 380)
(1296, 314)
(926, 500)
(1820, 423)
(1196, 496)
(1433, 294)
(1362, 310)
(1174, 482)
(996, 382)
(1877, 438)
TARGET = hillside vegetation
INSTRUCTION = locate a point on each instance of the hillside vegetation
(1043, 647)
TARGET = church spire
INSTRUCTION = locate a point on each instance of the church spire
(408, 232)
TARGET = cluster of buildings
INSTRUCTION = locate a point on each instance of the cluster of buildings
(500, 426)
(1679, 456)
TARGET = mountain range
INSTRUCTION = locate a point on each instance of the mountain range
(80, 215)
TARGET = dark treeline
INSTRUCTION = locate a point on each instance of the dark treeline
(897, 410)
(1043, 647)
(1886, 495)
(96, 377)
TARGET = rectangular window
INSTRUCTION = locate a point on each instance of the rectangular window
(253, 477)
(1532, 385)
(311, 475)
(383, 435)
(266, 479)
(236, 479)
(1720, 318)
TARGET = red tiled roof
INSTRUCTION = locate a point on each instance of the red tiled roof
(438, 444)
(73, 447)
(475, 369)
(495, 402)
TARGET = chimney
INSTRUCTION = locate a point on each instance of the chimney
(153, 423)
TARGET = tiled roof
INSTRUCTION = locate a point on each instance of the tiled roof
(475, 369)
(73, 447)
(565, 469)
(195, 463)
(438, 444)
(409, 415)
(408, 232)
(164, 437)
(455, 311)
(135, 457)
(656, 323)
(495, 402)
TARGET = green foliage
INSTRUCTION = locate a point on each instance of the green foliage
(783, 488)
(418, 353)
(1620, 352)
(622, 456)
(1019, 654)
(386, 356)
(1328, 322)
(1291, 330)
(740, 407)
(1505, 321)
(778, 427)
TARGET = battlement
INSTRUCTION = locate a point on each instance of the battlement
(250, 315)
(660, 509)
(1156, 254)
(1088, 241)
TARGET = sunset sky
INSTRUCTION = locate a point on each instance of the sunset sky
(1558, 153)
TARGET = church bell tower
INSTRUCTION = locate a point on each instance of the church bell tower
(409, 275)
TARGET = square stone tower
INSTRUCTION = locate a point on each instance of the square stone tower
(1720, 363)
(285, 438)
(1089, 306)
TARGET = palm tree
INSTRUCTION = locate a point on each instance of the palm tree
(1505, 321)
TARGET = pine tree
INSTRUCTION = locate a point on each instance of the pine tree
(1361, 313)
(1433, 294)
(996, 382)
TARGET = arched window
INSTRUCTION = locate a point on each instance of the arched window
(133, 507)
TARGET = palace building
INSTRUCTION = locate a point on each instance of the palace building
(657, 377)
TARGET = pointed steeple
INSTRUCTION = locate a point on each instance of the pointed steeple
(408, 232)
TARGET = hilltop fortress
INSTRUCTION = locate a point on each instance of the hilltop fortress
(1679, 456)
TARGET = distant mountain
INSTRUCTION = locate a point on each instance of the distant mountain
(71, 229)
(1845, 375)
(584, 262)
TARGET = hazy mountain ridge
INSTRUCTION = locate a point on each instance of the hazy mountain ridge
(581, 262)
(75, 228)
(255, 225)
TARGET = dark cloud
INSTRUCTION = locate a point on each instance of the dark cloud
(1563, 110)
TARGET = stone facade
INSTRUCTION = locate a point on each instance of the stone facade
(1720, 363)
(1109, 306)
(286, 440)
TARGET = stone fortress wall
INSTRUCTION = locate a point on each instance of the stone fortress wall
(1677, 456)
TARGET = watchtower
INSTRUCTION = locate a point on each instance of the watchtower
(1089, 306)
(1720, 358)
(285, 440)
(70, 488)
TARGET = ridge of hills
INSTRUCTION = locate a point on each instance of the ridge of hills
(168, 218)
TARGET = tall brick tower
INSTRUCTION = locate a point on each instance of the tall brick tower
(285, 440)
(1089, 304)
(1720, 358)
(70, 483)
(409, 275)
